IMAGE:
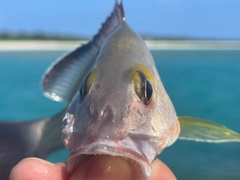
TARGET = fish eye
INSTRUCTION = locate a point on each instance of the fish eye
(84, 88)
(65, 122)
(143, 87)
(86, 84)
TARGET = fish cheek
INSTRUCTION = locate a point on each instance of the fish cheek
(81, 117)
(138, 121)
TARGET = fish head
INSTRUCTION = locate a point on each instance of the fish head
(121, 108)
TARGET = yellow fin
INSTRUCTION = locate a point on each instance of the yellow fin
(202, 130)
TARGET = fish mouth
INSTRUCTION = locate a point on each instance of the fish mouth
(139, 154)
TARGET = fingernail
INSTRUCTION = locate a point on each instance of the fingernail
(47, 163)
(108, 168)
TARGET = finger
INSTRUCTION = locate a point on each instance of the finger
(103, 167)
(38, 169)
(95, 167)
(109, 167)
(160, 171)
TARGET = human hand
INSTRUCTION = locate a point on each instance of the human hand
(95, 167)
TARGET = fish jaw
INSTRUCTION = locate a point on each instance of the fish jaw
(138, 143)
(139, 152)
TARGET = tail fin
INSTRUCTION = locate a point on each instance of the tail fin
(37, 138)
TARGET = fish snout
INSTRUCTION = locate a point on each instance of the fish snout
(106, 122)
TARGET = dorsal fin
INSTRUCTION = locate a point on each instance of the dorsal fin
(64, 77)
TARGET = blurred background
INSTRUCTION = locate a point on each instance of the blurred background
(195, 44)
(216, 19)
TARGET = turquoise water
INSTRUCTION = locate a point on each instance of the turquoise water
(200, 83)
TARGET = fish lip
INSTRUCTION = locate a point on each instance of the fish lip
(124, 148)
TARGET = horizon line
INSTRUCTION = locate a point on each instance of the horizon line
(60, 45)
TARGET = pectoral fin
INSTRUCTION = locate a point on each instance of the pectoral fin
(201, 130)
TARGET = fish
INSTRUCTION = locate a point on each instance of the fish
(117, 105)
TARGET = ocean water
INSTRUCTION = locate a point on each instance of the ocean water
(200, 83)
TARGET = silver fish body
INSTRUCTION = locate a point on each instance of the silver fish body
(107, 116)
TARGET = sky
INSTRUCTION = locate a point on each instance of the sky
(190, 18)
